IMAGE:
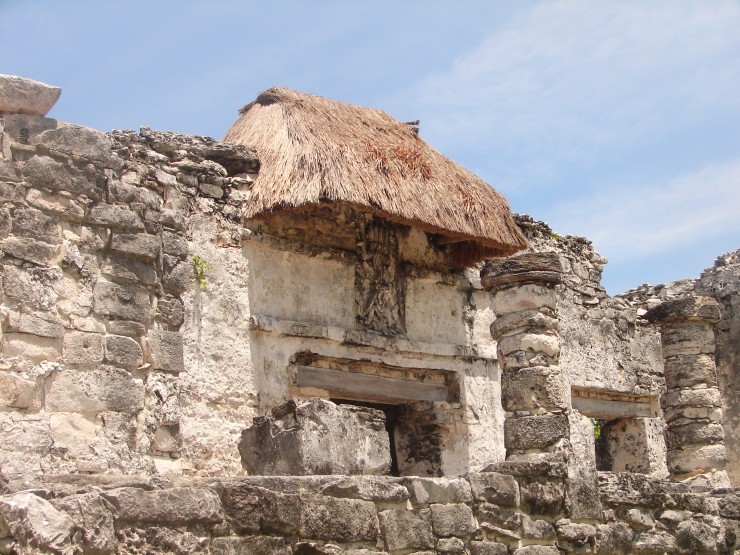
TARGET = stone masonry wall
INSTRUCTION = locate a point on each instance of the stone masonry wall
(516, 509)
(96, 267)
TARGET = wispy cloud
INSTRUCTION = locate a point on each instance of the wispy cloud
(634, 221)
(569, 81)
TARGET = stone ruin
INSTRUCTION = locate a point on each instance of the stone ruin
(176, 378)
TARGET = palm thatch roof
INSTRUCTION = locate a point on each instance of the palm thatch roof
(313, 149)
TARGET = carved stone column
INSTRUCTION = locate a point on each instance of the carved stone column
(691, 404)
(535, 393)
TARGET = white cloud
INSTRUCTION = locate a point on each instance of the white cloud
(572, 75)
(631, 222)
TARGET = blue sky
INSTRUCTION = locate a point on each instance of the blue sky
(619, 121)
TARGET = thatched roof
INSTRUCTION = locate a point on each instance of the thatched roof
(314, 149)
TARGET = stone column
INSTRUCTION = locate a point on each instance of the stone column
(691, 404)
(535, 392)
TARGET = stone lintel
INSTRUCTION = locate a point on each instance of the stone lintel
(542, 267)
(694, 308)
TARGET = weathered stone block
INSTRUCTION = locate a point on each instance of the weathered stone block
(255, 545)
(167, 507)
(686, 309)
(25, 433)
(250, 509)
(536, 387)
(180, 278)
(496, 488)
(170, 311)
(685, 371)
(130, 303)
(507, 522)
(697, 457)
(26, 96)
(123, 351)
(450, 545)
(82, 348)
(43, 171)
(549, 344)
(125, 193)
(102, 389)
(34, 223)
(41, 324)
(30, 250)
(126, 270)
(18, 393)
(115, 217)
(687, 339)
(537, 550)
(535, 432)
(651, 542)
(614, 538)
(487, 548)
(167, 439)
(93, 516)
(174, 244)
(402, 529)
(31, 347)
(73, 432)
(525, 297)
(697, 537)
(541, 496)
(696, 433)
(317, 437)
(705, 397)
(125, 327)
(165, 350)
(25, 129)
(343, 520)
(367, 488)
(423, 491)
(531, 266)
(78, 141)
(537, 529)
(136, 244)
(535, 319)
(453, 519)
(63, 207)
(36, 523)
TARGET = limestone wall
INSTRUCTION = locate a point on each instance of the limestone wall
(517, 509)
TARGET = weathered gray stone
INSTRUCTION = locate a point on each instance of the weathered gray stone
(704, 397)
(130, 271)
(115, 217)
(541, 496)
(537, 550)
(402, 529)
(125, 327)
(165, 350)
(35, 523)
(487, 548)
(530, 296)
(255, 545)
(536, 387)
(102, 389)
(167, 439)
(697, 537)
(654, 543)
(696, 433)
(450, 545)
(495, 488)
(41, 324)
(174, 244)
(697, 457)
(130, 303)
(65, 208)
(453, 519)
(170, 311)
(93, 517)
(43, 171)
(250, 509)
(614, 538)
(136, 244)
(167, 507)
(691, 338)
(438, 490)
(82, 348)
(686, 371)
(367, 488)
(30, 250)
(25, 129)
(130, 194)
(536, 529)
(540, 319)
(34, 223)
(535, 432)
(77, 141)
(179, 278)
(26, 96)
(123, 351)
(342, 520)
(317, 437)
(528, 267)
(686, 309)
